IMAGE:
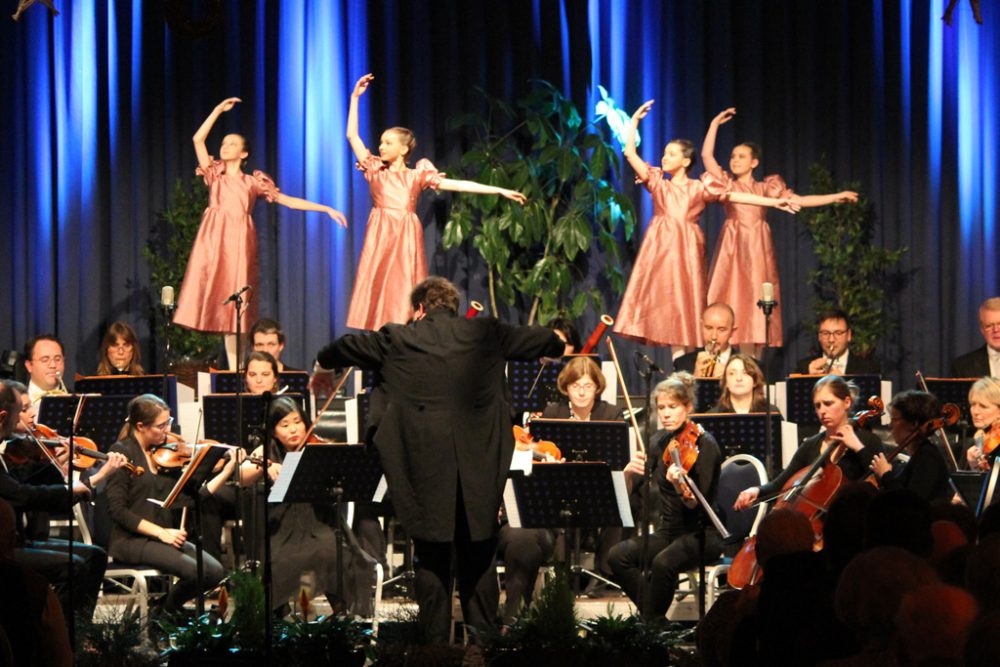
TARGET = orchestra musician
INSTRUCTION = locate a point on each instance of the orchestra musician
(142, 531)
(984, 361)
(673, 547)
(443, 433)
(717, 326)
(266, 335)
(120, 352)
(984, 408)
(44, 359)
(835, 357)
(743, 386)
(832, 400)
(926, 472)
(261, 373)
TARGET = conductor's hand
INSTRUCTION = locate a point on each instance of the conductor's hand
(174, 537)
(637, 466)
(746, 498)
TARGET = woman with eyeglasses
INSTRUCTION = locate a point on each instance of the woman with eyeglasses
(120, 353)
(582, 382)
(142, 531)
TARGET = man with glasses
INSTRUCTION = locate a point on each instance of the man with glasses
(717, 325)
(835, 356)
(43, 357)
(985, 360)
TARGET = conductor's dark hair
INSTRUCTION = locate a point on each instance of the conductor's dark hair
(566, 327)
(435, 293)
(687, 150)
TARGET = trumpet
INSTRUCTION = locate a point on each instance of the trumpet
(830, 360)
(708, 360)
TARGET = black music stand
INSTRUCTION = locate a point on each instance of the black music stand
(953, 390)
(970, 485)
(742, 434)
(228, 382)
(193, 476)
(568, 497)
(323, 474)
(222, 417)
(57, 411)
(799, 395)
(164, 386)
(706, 393)
(527, 395)
(586, 441)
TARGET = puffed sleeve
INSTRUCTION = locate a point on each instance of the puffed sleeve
(716, 186)
(654, 176)
(775, 187)
(370, 166)
(264, 186)
(212, 171)
(427, 174)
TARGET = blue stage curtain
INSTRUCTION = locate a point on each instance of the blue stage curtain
(100, 104)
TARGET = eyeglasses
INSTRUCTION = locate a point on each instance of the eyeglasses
(45, 361)
(992, 326)
(583, 386)
(833, 334)
(164, 426)
(120, 346)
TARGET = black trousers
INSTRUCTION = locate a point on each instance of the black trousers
(167, 558)
(438, 565)
(51, 560)
(524, 551)
(668, 558)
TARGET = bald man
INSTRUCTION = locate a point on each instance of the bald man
(717, 326)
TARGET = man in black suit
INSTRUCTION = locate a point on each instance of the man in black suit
(442, 429)
(985, 360)
(717, 325)
(835, 357)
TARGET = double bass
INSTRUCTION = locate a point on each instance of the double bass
(808, 492)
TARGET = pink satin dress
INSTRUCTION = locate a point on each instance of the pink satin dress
(224, 256)
(666, 291)
(392, 258)
(744, 259)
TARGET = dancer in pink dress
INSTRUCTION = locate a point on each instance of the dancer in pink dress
(665, 296)
(224, 256)
(744, 257)
(392, 258)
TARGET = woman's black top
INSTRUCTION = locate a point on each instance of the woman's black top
(853, 464)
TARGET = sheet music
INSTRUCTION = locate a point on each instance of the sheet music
(280, 486)
(510, 504)
(621, 495)
(380, 491)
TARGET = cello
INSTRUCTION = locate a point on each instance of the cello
(808, 492)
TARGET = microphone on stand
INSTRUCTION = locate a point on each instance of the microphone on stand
(236, 295)
(767, 302)
(644, 358)
(167, 297)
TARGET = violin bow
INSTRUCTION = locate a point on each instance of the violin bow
(628, 401)
(940, 431)
(329, 399)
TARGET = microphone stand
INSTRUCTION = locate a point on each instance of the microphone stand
(768, 308)
(237, 301)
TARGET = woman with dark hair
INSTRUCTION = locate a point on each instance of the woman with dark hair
(301, 534)
(742, 387)
(567, 331)
(926, 473)
(261, 373)
(120, 353)
(143, 532)
(832, 401)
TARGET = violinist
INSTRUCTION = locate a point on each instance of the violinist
(261, 373)
(120, 352)
(926, 473)
(142, 531)
(46, 363)
(834, 336)
(832, 401)
(742, 387)
(717, 326)
(984, 407)
(50, 557)
(673, 548)
(301, 534)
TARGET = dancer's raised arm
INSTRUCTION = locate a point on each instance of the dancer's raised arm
(204, 159)
(357, 145)
(633, 158)
(708, 146)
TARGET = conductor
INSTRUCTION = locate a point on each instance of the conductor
(441, 425)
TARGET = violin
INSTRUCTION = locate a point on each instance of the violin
(85, 451)
(949, 416)
(539, 448)
(808, 492)
(175, 453)
(685, 444)
(990, 440)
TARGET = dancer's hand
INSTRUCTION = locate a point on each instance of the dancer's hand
(788, 205)
(725, 116)
(337, 216)
(362, 85)
(847, 196)
(642, 112)
(515, 195)
(227, 104)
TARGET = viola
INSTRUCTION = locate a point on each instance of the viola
(539, 448)
(949, 416)
(808, 492)
(685, 443)
(175, 453)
